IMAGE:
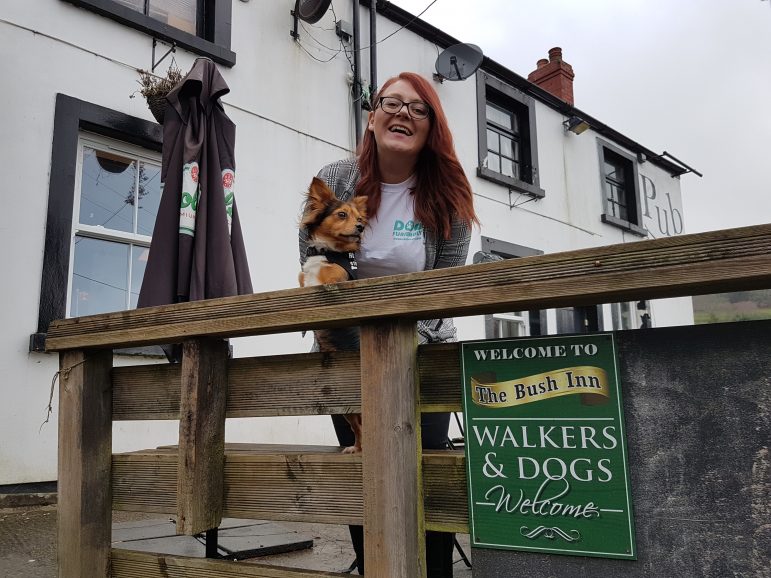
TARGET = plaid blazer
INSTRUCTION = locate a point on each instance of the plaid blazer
(342, 177)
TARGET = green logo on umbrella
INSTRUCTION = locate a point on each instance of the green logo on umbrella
(189, 203)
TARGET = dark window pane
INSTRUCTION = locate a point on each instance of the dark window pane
(615, 168)
(99, 277)
(617, 201)
(615, 172)
(149, 197)
(180, 14)
(107, 190)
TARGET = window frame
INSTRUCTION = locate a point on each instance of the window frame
(72, 117)
(508, 250)
(517, 101)
(99, 142)
(633, 179)
(215, 26)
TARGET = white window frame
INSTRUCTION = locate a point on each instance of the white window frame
(634, 314)
(519, 318)
(86, 139)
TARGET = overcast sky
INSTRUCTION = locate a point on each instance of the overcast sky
(692, 77)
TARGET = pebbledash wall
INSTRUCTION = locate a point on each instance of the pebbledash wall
(291, 102)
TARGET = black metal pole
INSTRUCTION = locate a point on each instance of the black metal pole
(356, 73)
(211, 543)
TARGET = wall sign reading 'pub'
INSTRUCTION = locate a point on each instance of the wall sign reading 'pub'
(545, 446)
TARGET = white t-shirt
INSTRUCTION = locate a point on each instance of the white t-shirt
(393, 241)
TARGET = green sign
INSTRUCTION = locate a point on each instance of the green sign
(545, 446)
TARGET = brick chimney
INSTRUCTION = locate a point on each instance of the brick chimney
(554, 75)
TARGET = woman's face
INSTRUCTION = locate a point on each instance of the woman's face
(399, 135)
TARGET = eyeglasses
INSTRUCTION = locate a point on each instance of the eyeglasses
(392, 105)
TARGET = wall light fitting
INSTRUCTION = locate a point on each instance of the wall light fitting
(575, 124)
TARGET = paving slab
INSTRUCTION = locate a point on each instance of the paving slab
(28, 543)
(237, 539)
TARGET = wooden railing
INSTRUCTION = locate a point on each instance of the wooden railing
(392, 487)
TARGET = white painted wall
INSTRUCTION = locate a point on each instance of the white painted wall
(292, 115)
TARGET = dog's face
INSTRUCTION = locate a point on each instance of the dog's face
(333, 224)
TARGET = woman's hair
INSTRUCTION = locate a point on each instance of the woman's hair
(442, 190)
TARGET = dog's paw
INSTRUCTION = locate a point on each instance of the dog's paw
(352, 450)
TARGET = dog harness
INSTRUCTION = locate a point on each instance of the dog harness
(345, 260)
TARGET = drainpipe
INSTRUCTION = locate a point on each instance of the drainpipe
(372, 50)
(356, 74)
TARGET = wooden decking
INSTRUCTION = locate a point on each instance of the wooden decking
(203, 478)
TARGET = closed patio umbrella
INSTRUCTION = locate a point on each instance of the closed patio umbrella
(197, 251)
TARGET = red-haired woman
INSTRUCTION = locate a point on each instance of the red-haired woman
(420, 211)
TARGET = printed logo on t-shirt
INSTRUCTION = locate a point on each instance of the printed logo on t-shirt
(409, 231)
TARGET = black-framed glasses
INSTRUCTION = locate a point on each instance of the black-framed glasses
(417, 110)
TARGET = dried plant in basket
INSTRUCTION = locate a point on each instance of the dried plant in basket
(155, 88)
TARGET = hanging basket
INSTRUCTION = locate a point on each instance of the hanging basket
(155, 89)
(157, 104)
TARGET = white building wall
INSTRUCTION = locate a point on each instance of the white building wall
(293, 115)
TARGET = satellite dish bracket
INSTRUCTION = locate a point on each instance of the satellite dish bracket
(458, 62)
(309, 11)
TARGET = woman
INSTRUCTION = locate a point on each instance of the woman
(420, 212)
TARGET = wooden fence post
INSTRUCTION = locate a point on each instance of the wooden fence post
(85, 456)
(394, 535)
(201, 435)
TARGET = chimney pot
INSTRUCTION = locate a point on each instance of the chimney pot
(555, 54)
(554, 76)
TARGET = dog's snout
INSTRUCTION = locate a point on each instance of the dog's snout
(359, 227)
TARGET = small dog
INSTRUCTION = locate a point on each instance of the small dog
(334, 232)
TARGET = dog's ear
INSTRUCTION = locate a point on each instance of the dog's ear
(361, 205)
(319, 194)
(317, 199)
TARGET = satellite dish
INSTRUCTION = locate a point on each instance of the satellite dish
(458, 62)
(311, 11)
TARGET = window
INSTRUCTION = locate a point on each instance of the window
(201, 26)
(586, 319)
(504, 151)
(118, 190)
(508, 152)
(101, 233)
(515, 323)
(621, 198)
(182, 14)
(630, 315)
